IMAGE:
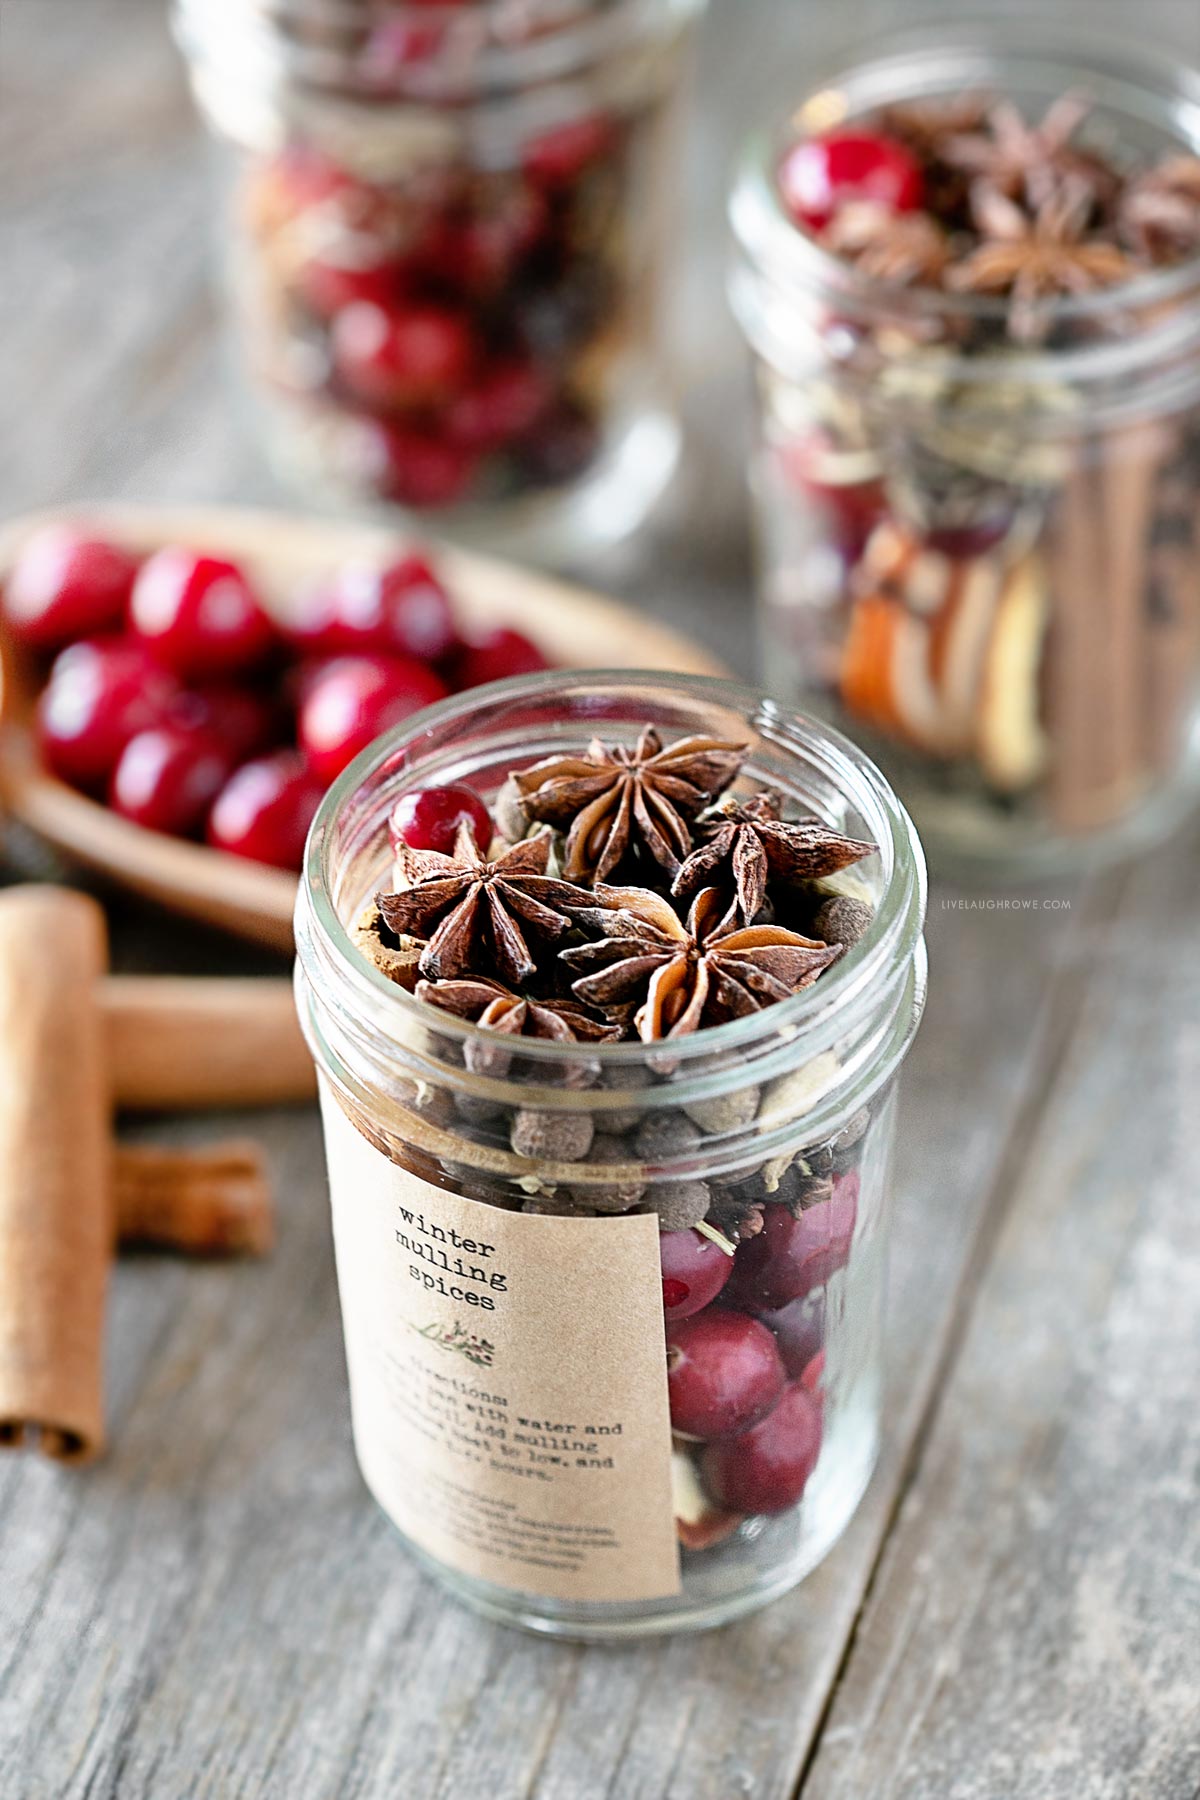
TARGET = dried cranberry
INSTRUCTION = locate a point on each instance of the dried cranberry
(352, 700)
(402, 356)
(429, 818)
(791, 1256)
(766, 1468)
(723, 1373)
(199, 614)
(694, 1270)
(495, 655)
(66, 585)
(265, 809)
(100, 693)
(819, 175)
(167, 778)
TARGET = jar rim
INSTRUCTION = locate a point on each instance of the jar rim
(913, 65)
(845, 993)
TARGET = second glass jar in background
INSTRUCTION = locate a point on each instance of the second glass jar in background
(448, 229)
(984, 561)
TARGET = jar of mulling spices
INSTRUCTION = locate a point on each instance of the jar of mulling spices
(969, 272)
(447, 232)
(608, 979)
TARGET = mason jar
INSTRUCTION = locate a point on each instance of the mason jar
(518, 1373)
(448, 231)
(982, 557)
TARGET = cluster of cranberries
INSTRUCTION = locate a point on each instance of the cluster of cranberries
(449, 323)
(745, 1348)
(176, 697)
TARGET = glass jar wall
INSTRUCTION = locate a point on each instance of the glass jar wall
(981, 556)
(447, 233)
(783, 1117)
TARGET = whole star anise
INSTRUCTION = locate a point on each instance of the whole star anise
(1023, 161)
(746, 843)
(683, 976)
(1038, 259)
(1160, 212)
(473, 911)
(510, 1016)
(904, 249)
(615, 801)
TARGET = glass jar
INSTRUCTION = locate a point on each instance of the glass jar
(508, 1379)
(980, 557)
(448, 230)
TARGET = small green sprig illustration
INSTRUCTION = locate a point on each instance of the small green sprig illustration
(457, 1338)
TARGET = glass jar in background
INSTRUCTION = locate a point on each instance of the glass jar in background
(526, 1337)
(448, 229)
(982, 558)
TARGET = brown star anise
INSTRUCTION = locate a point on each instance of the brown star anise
(1160, 212)
(684, 976)
(1023, 161)
(746, 843)
(1037, 259)
(905, 249)
(470, 909)
(511, 1015)
(614, 801)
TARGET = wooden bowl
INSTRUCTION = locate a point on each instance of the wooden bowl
(283, 554)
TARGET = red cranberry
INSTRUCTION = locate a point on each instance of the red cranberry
(813, 1374)
(819, 175)
(357, 268)
(506, 403)
(167, 778)
(559, 156)
(723, 1373)
(852, 508)
(100, 693)
(242, 722)
(401, 609)
(410, 467)
(352, 700)
(766, 1469)
(413, 356)
(398, 44)
(789, 1257)
(496, 655)
(265, 809)
(64, 585)
(429, 818)
(799, 1330)
(199, 614)
(694, 1270)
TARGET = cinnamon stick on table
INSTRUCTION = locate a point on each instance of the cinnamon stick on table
(214, 1201)
(56, 1215)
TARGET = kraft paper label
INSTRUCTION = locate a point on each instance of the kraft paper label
(507, 1380)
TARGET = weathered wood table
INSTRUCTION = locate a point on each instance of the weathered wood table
(219, 1609)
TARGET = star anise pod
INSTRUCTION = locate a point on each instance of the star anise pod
(1160, 212)
(473, 911)
(615, 801)
(1027, 162)
(684, 976)
(903, 249)
(1038, 259)
(746, 843)
(497, 1008)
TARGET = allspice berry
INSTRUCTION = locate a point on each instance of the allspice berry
(550, 1136)
(610, 1197)
(842, 920)
(679, 1204)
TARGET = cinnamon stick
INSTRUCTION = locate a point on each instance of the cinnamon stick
(56, 1218)
(214, 1201)
(179, 1043)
